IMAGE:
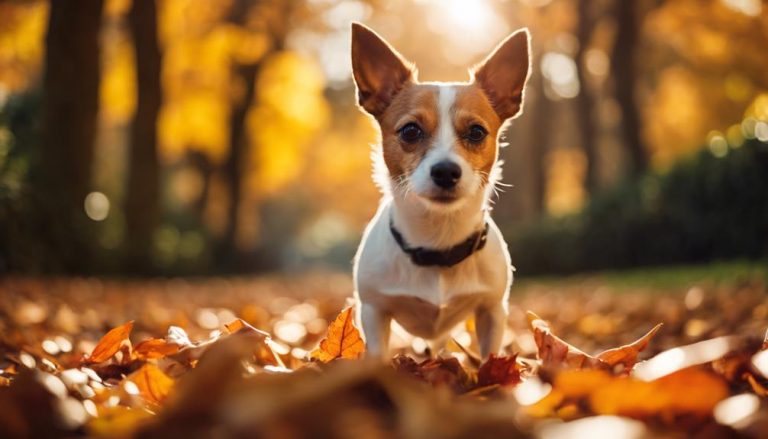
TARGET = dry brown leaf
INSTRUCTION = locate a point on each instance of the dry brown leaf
(154, 386)
(756, 386)
(342, 340)
(154, 348)
(502, 370)
(266, 351)
(553, 351)
(111, 343)
(436, 371)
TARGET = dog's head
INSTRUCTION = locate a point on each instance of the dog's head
(439, 140)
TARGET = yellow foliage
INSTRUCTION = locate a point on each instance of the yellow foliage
(677, 126)
(759, 108)
(198, 121)
(22, 33)
(117, 92)
(290, 111)
(565, 177)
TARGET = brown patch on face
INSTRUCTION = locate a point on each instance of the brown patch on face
(415, 103)
(472, 107)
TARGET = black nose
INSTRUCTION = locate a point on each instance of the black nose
(446, 174)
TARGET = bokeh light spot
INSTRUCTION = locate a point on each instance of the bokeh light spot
(97, 206)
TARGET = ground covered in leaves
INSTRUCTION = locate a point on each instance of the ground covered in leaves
(276, 357)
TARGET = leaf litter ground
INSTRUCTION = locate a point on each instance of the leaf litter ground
(275, 357)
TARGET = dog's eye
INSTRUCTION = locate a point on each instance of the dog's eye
(476, 134)
(411, 133)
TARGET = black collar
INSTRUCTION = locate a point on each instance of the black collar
(442, 258)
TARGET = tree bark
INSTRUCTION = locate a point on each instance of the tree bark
(623, 65)
(142, 204)
(585, 102)
(541, 139)
(234, 167)
(70, 110)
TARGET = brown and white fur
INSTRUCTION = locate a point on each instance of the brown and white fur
(430, 301)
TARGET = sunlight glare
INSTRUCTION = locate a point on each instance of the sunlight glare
(469, 27)
(560, 70)
(736, 409)
(595, 427)
(679, 358)
(531, 391)
(746, 7)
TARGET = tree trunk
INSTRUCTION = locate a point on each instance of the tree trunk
(623, 65)
(142, 198)
(70, 110)
(585, 102)
(234, 166)
(541, 139)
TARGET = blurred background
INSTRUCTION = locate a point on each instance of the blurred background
(187, 137)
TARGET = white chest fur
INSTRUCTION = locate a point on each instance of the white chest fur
(428, 301)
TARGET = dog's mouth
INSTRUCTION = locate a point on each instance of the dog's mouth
(444, 197)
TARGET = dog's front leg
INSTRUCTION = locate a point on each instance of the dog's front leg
(375, 325)
(490, 322)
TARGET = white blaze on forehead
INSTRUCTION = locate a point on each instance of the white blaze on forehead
(446, 97)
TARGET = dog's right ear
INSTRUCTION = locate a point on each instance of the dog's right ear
(380, 72)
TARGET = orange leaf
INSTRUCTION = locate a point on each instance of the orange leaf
(110, 343)
(688, 391)
(155, 348)
(238, 325)
(553, 351)
(154, 386)
(691, 391)
(267, 349)
(342, 340)
(503, 370)
(627, 354)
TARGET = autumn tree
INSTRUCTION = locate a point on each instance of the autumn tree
(624, 68)
(70, 105)
(273, 23)
(142, 199)
(585, 101)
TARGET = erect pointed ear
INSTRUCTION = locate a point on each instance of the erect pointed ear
(503, 74)
(380, 72)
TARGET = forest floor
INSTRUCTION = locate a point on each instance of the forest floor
(192, 362)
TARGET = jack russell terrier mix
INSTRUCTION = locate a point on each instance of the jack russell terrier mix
(432, 255)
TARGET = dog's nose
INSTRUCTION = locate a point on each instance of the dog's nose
(446, 174)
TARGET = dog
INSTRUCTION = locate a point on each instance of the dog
(432, 256)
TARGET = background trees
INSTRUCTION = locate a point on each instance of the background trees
(173, 136)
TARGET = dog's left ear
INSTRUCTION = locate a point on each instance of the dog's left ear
(503, 74)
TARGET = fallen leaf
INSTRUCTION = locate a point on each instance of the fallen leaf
(238, 325)
(155, 348)
(342, 340)
(154, 386)
(692, 391)
(627, 354)
(502, 370)
(118, 421)
(553, 351)
(266, 351)
(110, 343)
(436, 371)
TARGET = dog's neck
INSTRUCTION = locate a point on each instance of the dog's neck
(437, 228)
